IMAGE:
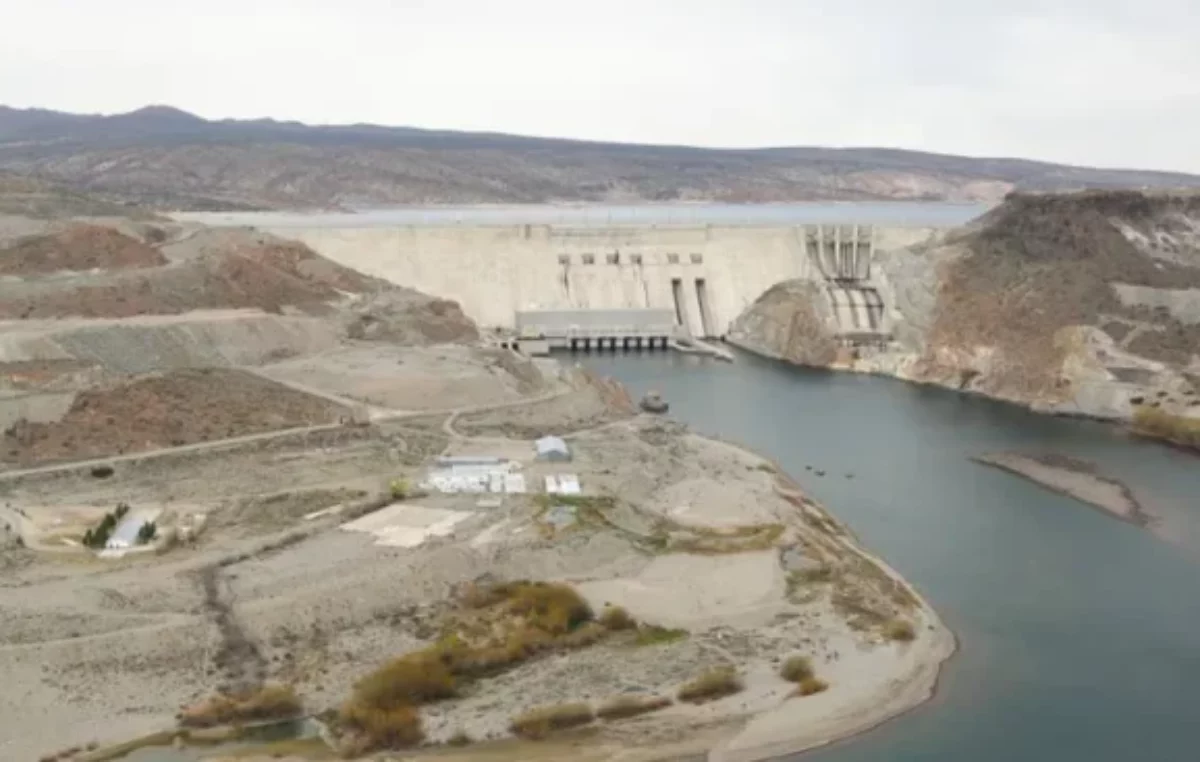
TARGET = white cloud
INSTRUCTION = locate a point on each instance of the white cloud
(1106, 82)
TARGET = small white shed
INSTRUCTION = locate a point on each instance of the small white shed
(553, 449)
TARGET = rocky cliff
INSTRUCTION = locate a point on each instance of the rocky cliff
(1083, 303)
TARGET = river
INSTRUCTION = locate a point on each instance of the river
(1079, 634)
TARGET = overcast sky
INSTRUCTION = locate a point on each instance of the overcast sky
(1098, 82)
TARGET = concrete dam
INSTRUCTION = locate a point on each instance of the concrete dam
(610, 285)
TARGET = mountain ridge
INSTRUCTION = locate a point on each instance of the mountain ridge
(160, 155)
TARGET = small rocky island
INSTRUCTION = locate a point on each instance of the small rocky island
(1074, 478)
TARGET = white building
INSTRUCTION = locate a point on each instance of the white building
(562, 484)
(553, 449)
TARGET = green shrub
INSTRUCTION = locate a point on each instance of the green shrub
(631, 706)
(810, 685)
(796, 669)
(540, 722)
(900, 629)
(617, 619)
(714, 684)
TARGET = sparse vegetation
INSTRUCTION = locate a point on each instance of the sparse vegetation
(802, 585)
(712, 685)
(796, 669)
(678, 538)
(554, 609)
(589, 510)
(497, 628)
(860, 614)
(617, 619)
(631, 706)
(900, 629)
(1155, 422)
(811, 685)
(815, 575)
(598, 502)
(399, 489)
(542, 721)
(653, 635)
(584, 636)
(269, 702)
(460, 738)
(416, 678)
(868, 597)
(367, 728)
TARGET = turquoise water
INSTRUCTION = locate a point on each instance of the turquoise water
(902, 213)
(1079, 634)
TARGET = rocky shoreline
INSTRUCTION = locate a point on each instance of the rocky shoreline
(1078, 305)
(902, 372)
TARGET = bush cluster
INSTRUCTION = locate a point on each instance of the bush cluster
(536, 617)
(1155, 422)
(540, 722)
(714, 684)
(796, 669)
(269, 702)
(631, 706)
(617, 619)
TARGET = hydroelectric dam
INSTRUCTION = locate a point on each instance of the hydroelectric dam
(620, 281)
(641, 281)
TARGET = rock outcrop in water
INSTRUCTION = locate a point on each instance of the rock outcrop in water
(1084, 303)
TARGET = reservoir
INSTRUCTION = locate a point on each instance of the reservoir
(910, 213)
(1079, 634)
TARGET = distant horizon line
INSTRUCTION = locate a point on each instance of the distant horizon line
(182, 112)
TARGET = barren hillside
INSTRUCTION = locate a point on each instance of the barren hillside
(1082, 303)
(163, 157)
(169, 410)
(123, 334)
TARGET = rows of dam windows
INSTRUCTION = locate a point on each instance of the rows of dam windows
(615, 258)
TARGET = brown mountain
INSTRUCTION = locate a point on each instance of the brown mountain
(160, 156)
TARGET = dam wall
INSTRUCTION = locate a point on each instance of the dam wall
(705, 274)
